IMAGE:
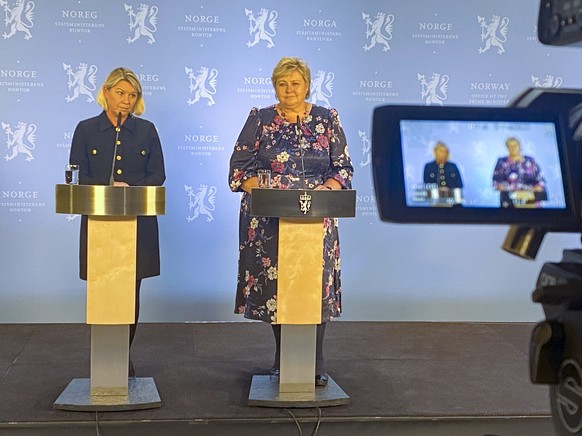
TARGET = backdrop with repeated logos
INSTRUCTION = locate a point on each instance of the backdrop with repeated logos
(203, 65)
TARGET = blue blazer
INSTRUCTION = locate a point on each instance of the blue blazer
(447, 175)
(139, 161)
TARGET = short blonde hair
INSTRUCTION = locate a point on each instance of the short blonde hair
(288, 65)
(113, 79)
(440, 144)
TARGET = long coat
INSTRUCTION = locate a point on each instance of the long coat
(139, 162)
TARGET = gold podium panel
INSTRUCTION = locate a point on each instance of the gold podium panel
(111, 255)
(300, 270)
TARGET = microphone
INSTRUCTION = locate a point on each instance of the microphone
(117, 130)
(300, 142)
(298, 127)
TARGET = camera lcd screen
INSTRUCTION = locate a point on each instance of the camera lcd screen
(471, 165)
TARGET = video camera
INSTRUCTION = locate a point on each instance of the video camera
(518, 165)
(515, 165)
(560, 22)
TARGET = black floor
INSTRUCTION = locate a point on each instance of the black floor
(402, 379)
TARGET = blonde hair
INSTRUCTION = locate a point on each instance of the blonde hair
(440, 144)
(288, 65)
(113, 79)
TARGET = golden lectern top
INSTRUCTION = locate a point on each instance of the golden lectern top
(102, 200)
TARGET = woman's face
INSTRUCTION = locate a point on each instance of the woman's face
(121, 98)
(514, 148)
(441, 154)
(291, 90)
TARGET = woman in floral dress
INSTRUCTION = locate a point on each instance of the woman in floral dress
(518, 178)
(304, 147)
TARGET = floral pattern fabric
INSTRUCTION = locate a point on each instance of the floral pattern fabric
(514, 176)
(300, 156)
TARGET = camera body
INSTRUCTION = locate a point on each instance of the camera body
(555, 356)
(560, 22)
(555, 352)
(556, 343)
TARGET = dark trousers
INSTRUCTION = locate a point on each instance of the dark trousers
(133, 327)
(319, 360)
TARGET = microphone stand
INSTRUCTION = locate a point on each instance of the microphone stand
(117, 130)
(300, 142)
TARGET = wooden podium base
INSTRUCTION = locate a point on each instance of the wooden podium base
(265, 392)
(142, 394)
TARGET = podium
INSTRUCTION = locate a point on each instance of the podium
(111, 275)
(299, 283)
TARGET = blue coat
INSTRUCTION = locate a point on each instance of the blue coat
(446, 175)
(139, 162)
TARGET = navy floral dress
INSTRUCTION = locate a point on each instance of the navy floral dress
(523, 175)
(514, 176)
(268, 141)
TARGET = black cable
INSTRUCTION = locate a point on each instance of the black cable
(117, 130)
(300, 141)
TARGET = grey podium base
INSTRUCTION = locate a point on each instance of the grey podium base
(142, 394)
(265, 392)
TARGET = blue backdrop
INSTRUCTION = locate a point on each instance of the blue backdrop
(203, 65)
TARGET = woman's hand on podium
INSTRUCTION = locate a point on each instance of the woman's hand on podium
(329, 184)
(250, 183)
(120, 184)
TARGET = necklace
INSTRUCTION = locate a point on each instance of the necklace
(285, 115)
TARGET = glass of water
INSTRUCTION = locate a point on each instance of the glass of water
(264, 177)
(72, 174)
